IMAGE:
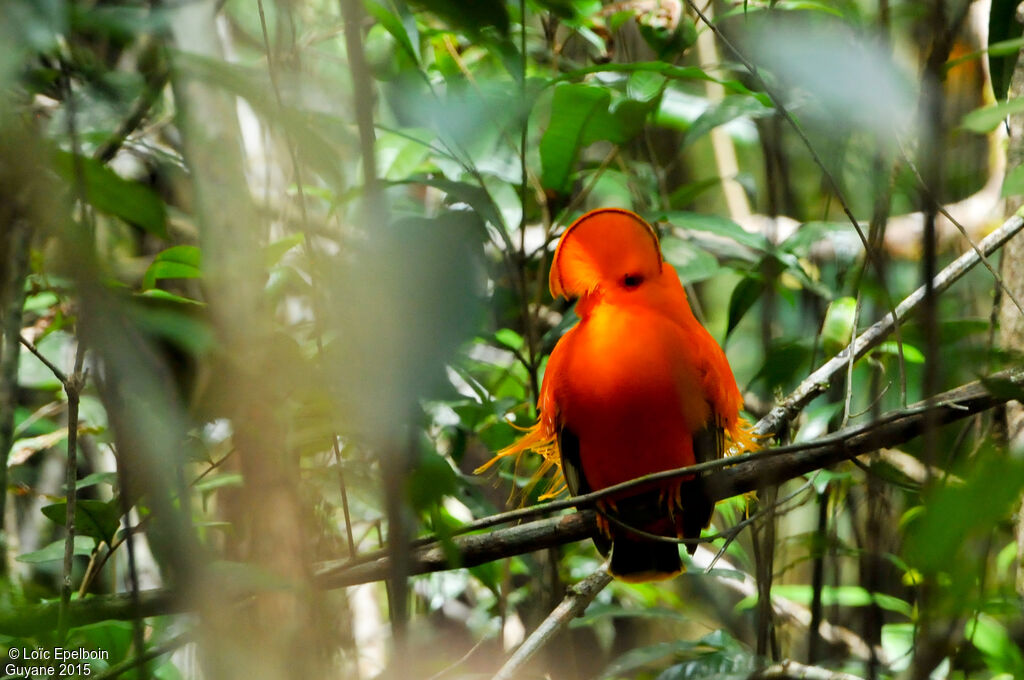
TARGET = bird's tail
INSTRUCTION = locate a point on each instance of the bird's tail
(640, 561)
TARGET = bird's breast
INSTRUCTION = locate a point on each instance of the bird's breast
(631, 392)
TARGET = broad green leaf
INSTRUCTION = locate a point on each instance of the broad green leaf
(99, 519)
(110, 193)
(572, 107)
(55, 551)
(986, 118)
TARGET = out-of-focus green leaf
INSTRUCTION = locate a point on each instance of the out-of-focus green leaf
(55, 551)
(393, 25)
(837, 329)
(1002, 654)
(730, 108)
(665, 69)
(936, 539)
(98, 519)
(273, 252)
(110, 193)
(1013, 184)
(911, 354)
(178, 262)
(692, 264)
(716, 225)
(473, 17)
(985, 119)
(844, 596)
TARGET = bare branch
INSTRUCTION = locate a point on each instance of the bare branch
(572, 606)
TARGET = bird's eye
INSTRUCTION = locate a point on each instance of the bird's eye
(632, 280)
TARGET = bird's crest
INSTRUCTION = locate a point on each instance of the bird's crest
(600, 246)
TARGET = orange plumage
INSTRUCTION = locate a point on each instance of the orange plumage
(637, 386)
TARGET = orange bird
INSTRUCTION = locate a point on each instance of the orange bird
(638, 386)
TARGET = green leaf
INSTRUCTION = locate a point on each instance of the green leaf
(273, 253)
(473, 17)
(837, 329)
(911, 354)
(1013, 184)
(714, 224)
(692, 264)
(214, 482)
(993, 640)
(937, 540)
(571, 109)
(393, 25)
(55, 551)
(986, 118)
(98, 519)
(665, 69)
(843, 596)
(730, 108)
(110, 193)
(178, 262)
(744, 295)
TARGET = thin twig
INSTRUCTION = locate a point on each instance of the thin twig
(574, 604)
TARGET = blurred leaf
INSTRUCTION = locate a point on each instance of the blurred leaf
(936, 538)
(686, 194)
(1002, 654)
(473, 17)
(911, 354)
(730, 108)
(99, 519)
(716, 225)
(837, 329)
(843, 596)
(108, 192)
(393, 25)
(273, 252)
(744, 295)
(177, 262)
(476, 197)
(985, 119)
(1013, 184)
(95, 478)
(665, 69)
(55, 551)
(1003, 30)
(691, 263)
